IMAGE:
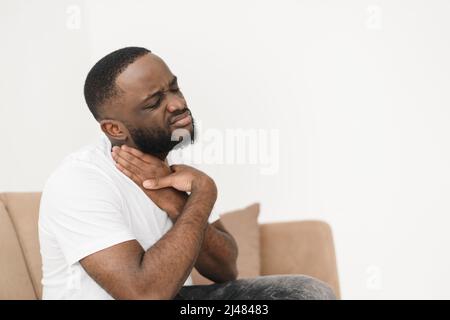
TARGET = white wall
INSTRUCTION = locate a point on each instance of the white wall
(358, 92)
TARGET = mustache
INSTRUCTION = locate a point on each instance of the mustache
(176, 115)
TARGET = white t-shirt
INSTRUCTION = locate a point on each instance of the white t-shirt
(88, 205)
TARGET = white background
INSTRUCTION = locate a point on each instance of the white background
(358, 91)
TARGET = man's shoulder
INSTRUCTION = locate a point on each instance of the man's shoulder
(92, 154)
(85, 166)
(75, 170)
(78, 185)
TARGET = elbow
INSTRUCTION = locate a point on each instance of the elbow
(144, 290)
(233, 274)
(150, 295)
(228, 274)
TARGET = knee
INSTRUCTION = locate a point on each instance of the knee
(301, 287)
(315, 289)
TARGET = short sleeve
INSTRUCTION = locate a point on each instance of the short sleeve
(83, 209)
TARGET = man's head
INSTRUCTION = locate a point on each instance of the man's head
(136, 99)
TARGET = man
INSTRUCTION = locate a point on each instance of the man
(116, 221)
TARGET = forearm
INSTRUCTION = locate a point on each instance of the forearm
(218, 254)
(169, 200)
(171, 259)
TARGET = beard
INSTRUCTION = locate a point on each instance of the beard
(156, 141)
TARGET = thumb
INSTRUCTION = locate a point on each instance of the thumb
(158, 183)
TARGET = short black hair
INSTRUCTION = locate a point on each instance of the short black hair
(100, 84)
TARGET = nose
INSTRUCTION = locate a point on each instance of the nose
(175, 103)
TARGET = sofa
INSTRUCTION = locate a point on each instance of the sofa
(295, 247)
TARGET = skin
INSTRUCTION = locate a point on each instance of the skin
(126, 270)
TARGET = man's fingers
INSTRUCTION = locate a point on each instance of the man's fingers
(133, 151)
(140, 165)
(131, 168)
(134, 160)
(158, 183)
(128, 173)
(143, 156)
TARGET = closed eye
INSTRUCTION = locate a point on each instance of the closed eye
(161, 97)
(156, 104)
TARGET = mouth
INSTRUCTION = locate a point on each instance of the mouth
(182, 120)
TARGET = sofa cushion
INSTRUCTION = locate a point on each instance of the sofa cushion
(299, 247)
(243, 225)
(15, 281)
(23, 209)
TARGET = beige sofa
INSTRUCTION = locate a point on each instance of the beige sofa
(298, 247)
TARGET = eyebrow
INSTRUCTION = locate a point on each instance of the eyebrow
(172, 82)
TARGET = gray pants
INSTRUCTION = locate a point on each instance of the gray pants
(273, 287)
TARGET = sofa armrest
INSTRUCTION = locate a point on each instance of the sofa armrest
(299, 247)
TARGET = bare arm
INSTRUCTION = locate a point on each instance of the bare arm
(218, 255)
(126, 271)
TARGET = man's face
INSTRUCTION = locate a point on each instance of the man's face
(152, 107)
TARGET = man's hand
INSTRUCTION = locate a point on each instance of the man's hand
(218, 254)
(182, 178)
(139, 167)
(127, 271)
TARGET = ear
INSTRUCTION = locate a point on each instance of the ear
(114, 129)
